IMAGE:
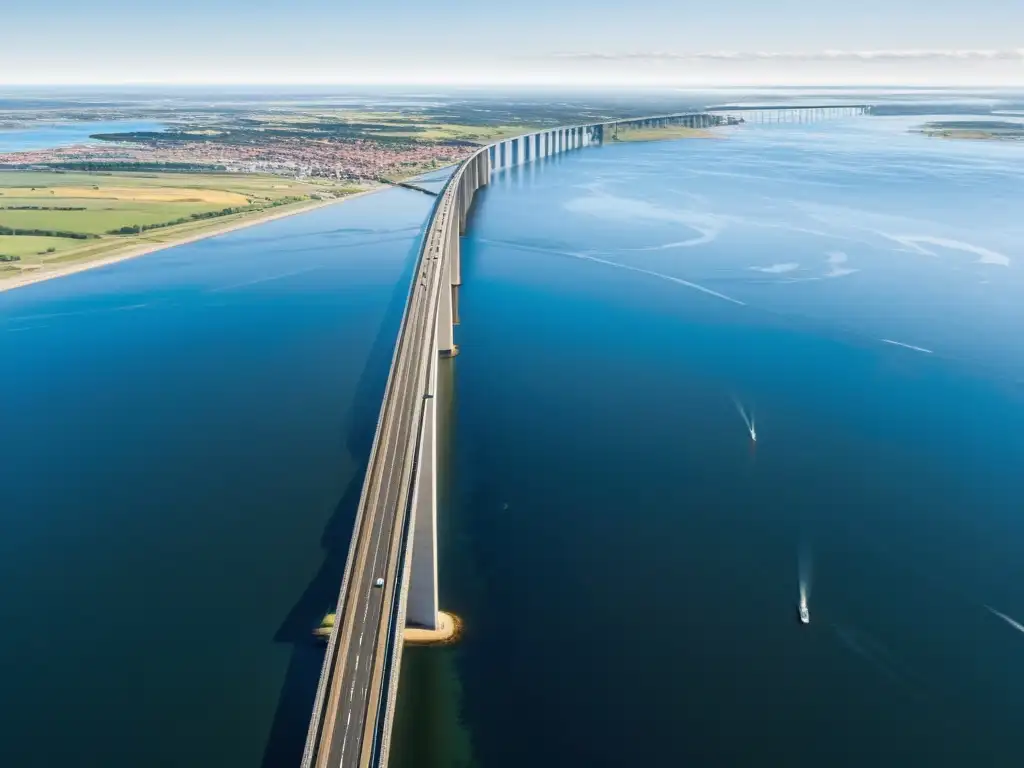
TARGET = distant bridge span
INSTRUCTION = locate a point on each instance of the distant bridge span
(789, 113)
(390, 578)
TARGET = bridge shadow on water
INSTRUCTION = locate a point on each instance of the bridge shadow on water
(287, 736)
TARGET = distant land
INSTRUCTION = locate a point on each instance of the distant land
(984, 130)
(224, 163)
(226, 159)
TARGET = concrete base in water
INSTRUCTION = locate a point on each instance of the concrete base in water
(448, 631)
(454, 351)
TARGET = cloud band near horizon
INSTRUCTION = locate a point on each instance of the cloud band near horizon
(1016, 54)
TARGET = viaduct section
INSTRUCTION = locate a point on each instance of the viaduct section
(804, 113)
(390, 579)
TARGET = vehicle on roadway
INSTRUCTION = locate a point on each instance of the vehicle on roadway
(379, 583)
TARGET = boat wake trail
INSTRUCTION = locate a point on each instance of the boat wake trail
(908, 346)
(805, 568)
(885, 662)
(748, 420)
(1015, 624)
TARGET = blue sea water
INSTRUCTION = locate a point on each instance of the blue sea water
(628, 563)
(184, 436)
(63, 134)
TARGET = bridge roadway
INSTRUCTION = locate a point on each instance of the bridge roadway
(353, 710)
(346, 715)
(357, 689)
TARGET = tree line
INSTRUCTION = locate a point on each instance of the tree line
(18, 232)
(40, 208)
(85, 165)
(135, 229)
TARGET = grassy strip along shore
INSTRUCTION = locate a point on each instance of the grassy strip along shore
(53, 224)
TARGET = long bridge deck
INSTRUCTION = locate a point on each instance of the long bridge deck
(391, 572)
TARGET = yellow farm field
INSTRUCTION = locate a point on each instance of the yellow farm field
(131, 194)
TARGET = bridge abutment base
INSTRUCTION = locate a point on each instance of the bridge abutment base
(449, 627)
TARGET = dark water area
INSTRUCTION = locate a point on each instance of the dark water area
(628, 563)
(184, 437)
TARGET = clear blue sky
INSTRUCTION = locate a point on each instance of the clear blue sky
(529, 41)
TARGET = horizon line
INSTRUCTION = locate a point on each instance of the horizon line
(505, 84)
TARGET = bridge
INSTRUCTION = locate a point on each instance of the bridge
(783, 113)
(390, 579)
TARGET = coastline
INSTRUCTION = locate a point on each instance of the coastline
(132, 252)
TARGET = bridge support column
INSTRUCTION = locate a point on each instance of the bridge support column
(483, 169)
(422, 605)
(445, 332)
(454, 255)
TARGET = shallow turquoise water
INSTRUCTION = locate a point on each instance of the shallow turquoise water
(627, 563)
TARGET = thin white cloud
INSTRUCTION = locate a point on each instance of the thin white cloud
(939, 54)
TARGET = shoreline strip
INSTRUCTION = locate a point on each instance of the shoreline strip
(142, 250)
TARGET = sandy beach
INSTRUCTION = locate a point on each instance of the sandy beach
(132, 252)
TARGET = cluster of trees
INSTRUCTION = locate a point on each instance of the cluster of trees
(40, 208)
(251, 131)
(135, 229)
(4, 257)
(125, 165)
(45, 233)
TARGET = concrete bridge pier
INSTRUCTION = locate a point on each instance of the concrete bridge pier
(423, 610)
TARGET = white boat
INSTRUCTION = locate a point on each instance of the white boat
(753, 432)
(805, 615)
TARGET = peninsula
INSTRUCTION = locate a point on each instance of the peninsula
(979, 130)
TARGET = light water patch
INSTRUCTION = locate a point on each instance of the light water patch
(916, 243)
(627, 267)
(882, 225)
(660, 275)
(777, 269)
(708, 226)
(836, 259)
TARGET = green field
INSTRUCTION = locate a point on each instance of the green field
(105, 202)
(26, 247)
(101, 218)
